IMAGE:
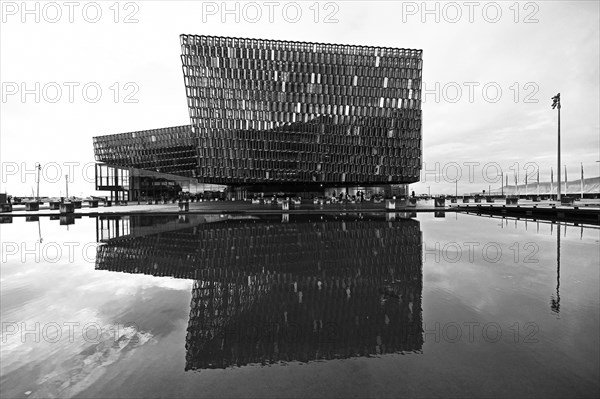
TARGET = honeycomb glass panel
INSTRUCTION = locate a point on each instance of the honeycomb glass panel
(289, 90)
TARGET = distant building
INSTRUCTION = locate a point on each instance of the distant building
(270, 116)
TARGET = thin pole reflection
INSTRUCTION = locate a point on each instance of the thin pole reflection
(555, 301)
(40, 231)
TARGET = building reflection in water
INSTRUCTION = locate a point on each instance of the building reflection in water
(312, 287)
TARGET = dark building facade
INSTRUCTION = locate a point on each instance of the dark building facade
(170, 150)
(149, 164)
(270, 112)
(270, 115)
(315, 287)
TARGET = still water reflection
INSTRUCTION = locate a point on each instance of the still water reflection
(320, 287)
(298, 305)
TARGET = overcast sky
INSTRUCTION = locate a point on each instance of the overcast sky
(521, 53)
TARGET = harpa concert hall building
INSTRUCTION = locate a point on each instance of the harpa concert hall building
(270, 116)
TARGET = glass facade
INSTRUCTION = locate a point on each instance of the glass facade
(169, 150)
(278, 116)
(269, 111)
(131, 184)
(113, 179)
(108, 177)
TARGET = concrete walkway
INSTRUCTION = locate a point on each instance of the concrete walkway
(247, 207)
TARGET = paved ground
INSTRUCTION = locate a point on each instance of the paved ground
(211, 207)
(585, 203)
(248, 207)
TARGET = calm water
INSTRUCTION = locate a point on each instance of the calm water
(299, 306)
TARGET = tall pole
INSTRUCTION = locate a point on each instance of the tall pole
(581, 180)
(67, 184)
(551, 182)
(566, 179)
(39, 168)
(558, 193)
(502, 182)
(555, 104)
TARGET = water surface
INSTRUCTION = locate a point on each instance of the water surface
(293, 305)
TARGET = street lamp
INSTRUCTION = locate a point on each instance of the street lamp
(38, 166)
(556, 104)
